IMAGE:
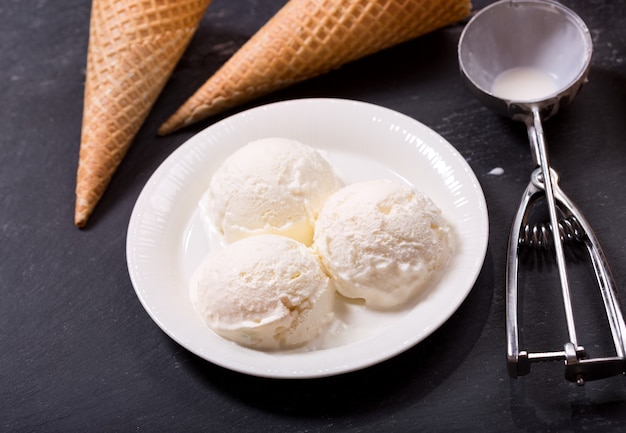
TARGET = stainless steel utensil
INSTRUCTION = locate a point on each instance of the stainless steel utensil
(525, 59)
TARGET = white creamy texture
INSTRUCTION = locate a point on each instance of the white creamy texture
(272, 185)
(524, 84)
(382, 241)
(265, 292)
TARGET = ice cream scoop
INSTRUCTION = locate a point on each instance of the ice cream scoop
(272, 185)
(541, 38)
(382, 241)
(265, 292)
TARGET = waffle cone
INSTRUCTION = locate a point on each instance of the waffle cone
(307, 38)
(133, 48)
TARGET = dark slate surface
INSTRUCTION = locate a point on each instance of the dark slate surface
(79, 353)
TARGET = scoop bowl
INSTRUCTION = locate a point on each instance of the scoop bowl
(537, 35)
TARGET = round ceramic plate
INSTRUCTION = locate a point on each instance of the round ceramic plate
(166, 240)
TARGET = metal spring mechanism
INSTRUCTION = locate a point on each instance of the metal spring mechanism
(540, 235)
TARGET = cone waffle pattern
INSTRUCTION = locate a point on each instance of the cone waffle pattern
(307, 38)
(134, 46)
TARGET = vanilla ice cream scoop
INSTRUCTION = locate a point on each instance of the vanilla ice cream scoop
(382, 241)
(272, 185)
(265, 292)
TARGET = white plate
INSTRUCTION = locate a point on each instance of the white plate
(166, 240)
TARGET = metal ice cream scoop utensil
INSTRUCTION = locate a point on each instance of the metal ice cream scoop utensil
(525, 59)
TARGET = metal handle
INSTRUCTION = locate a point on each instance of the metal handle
(578, 366)
(535, 134)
